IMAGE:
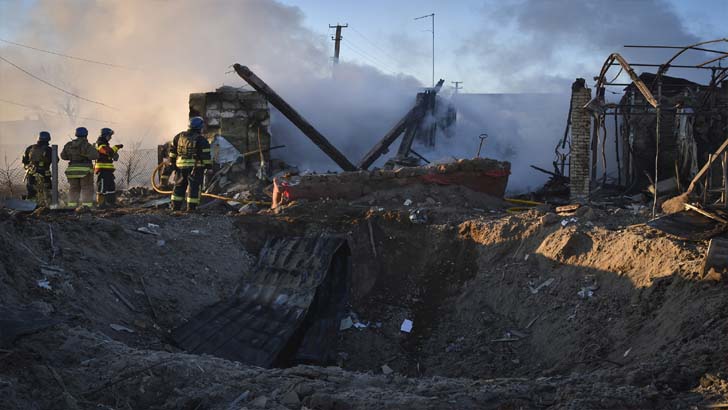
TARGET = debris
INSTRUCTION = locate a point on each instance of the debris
(585, 293)
(44, 284)
(705, 213)
(52, 271)
(147, 230)
(505, 340)
(716, 257)
(567, 221)
(544, 284)
(152, 226)
(156, 203)
(249, 209)
(195, 231)
(360, 325)
(406, 326)
(122, 298)
(149, 300)
(626, 353)
(19, 205)
(664, 187)
(120, 328)
(567, 208)
(407, 202)
(161, 242)
(371, 237)
(387, 370)
(346, 323)
(418, 216)
(237, 403)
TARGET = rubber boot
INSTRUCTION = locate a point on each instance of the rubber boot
(111, 200)
(191, 207)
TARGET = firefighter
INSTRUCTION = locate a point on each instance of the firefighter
(189, 159)
(104, 169)
(80, 153)
(166, 171)
(37, 163)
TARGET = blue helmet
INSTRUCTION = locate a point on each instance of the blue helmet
(107, 132)
(81, 132)
(44, 136)
(196, 123)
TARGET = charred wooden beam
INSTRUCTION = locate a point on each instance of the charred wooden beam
(412, 116)
(308, 130)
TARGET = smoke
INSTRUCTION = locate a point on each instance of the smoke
(174, 49)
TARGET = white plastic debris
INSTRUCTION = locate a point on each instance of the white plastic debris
(567, 221)
(406, 326)
(360, 325)
(386, 369)
(585, 293)
(535, 290)
(407, 202)
(147, 230)
(346, 323)
(120, 328)
(44, 284)
(626, 353)
(152, 226)
(195, 231)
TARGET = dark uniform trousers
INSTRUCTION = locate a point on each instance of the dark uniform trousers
(105, 182)
(187, 181)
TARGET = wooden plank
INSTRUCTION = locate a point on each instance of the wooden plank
(705, 213)
(308, 130)
(381, 147)
(706, 167)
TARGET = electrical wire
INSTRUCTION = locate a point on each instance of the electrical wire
(368, 58)
(66, 55)
(58, 113)
(381, 50)
(55, 86)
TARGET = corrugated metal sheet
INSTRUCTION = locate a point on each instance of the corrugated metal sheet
(688, 225)
(292, 299)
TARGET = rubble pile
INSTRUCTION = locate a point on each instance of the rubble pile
(587, 308)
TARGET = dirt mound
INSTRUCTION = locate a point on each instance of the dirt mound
(508, 311)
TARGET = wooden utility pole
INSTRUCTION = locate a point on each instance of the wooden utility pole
(337, 40)
(457, 85)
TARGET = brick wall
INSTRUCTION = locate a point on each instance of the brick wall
(580, 139)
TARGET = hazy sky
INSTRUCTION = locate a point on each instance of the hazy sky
(384, 33)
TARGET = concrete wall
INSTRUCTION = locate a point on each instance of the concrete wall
(236, 115)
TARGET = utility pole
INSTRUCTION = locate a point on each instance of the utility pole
(457, 85)
(432, 15)
(337, 40)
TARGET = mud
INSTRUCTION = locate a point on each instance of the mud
(532, 310)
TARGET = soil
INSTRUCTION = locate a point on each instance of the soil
(509, 311)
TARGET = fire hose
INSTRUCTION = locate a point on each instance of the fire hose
(159, 190)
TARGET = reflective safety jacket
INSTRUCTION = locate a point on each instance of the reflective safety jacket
(190, 150)
(107, 155)
(80, 155)
(37, 159)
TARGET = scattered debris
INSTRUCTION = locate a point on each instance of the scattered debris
(346, 323)
(568, 221)
(387, 370)
(406, 326)
(407, 202)
(44, 284)
(120, 328)
(19, 205)
(147, 230)
(418, 216)
(567, 208)
(535, 290)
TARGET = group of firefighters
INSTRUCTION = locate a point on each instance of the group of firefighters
(189, 160)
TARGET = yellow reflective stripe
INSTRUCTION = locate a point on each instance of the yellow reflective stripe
(172, 155)
(207, 161)
(72, 204)
(183, 162)
(104, 165)
(206, 150)
(115, 148)
(178, 198)
(89, 204)
(78, 168)
(193, 200)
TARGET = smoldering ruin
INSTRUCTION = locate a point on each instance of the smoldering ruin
(398, 277)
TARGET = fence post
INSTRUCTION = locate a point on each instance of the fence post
(54, 176)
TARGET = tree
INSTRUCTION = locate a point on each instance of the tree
(10, 175)
(131, 163)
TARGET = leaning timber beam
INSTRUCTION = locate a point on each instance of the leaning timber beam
(381, 147)
(296, 118)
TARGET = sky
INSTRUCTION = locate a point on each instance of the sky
(168, 49)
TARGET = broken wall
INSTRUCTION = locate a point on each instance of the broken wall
(237, 115)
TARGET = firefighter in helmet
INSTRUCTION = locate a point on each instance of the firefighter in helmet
(37, 163)
(80, 155)
(190, 159)
(104, 169)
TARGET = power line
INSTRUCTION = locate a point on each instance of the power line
(53, 112)
(53, 85)
(372, 59)
(368, 59)
(66, 55)
(385, 53)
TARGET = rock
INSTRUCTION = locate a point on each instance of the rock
(549, 219)
(259, 402)
(387, 370)
(290, 398)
